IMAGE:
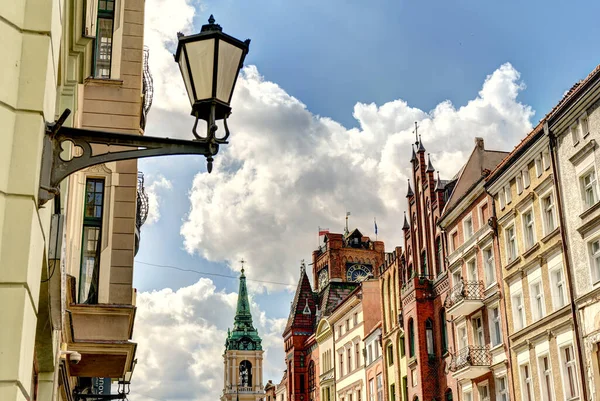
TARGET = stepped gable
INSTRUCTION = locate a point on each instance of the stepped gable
(298, 318)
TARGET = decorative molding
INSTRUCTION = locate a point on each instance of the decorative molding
(583, 152)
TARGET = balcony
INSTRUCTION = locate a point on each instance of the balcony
(465, 298)
(471, 362)
(233, 389)
(101, 334)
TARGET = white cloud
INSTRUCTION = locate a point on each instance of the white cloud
(152, 190)
(288, 171)
(181, 339)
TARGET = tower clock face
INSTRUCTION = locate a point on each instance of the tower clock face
(323, 278)
(358, 272)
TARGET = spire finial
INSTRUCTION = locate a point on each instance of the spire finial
(211, 19)
(242, 262)
(430, 168)
(417, 136)
(302, 266)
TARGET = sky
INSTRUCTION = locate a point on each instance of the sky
(322, 123)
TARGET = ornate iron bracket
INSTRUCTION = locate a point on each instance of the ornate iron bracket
(91, 147)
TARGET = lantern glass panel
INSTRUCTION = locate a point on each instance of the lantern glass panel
(229, 61)
(183, 67)
(201, 57)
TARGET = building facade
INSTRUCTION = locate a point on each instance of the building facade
(70, 268)
(475, 303)
(373, 359)
(243, 356)
(574, 130)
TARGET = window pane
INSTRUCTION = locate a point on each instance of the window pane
(88, 281)
(104, 47)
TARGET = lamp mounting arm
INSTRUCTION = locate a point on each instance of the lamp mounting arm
(92, 147)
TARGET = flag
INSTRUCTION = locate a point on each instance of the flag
(347, 214)
(375, 221)
(323, 231)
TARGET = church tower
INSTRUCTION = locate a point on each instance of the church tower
(243, 354)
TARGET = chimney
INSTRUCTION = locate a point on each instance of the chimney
(479, 143)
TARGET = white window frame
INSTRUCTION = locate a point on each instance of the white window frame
(519, 183)
(482, 393)
(536, 313)
(547, 228)
(466, 233)
(594, 260)
(558, 286)
(456, 277)
(542, 374)
(565, 376)
(526, 177)
(593, 186)
(529, 242)
(507, 194)
(502, 394)
(575, 133)
(518, 310)
(501, 199)
(489, 267)
(468, 395)
(512, 252)
(493, 321)
(546, 159)
(584, 125)
(468, 266)
(539, 169)
(526, 383)
(460, 338)
(478, 330)
(450, 243)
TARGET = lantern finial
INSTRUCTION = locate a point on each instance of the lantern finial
(211, 19)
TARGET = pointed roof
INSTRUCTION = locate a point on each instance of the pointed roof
(406, 226)
(413, 157)
(430, 168)
(244, 336)
(410, 192)
(304, 296)
(421, 147)
(477, 168)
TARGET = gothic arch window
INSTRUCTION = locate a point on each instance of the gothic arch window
(245, 373)
(311, 381)
(444, 333)
(410, 271)
(411, 338)
(429, 337)
(438, 255)
(424, 269)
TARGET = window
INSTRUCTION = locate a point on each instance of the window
(468, 395)
(104, 38)
(91, 241)
(358, 397)
(528, 229)
(484, 392)
(569, 372)
(429, 337)
(439, 260)
(575, 134)
(501, 199)
(379, 378)
(537, 300)
(502, 388)
(401, 346)
(443, 331)
(518, 311)
(390, 354)
(589, 188)
(456, 278)
(404, 387)
(468, 227)
(546, 159)
(495, 325)
(424, 270)
(526, 178)
(595, 253)
(302, 383)
(349, 355)
(311, 380)
(370, 353)
(538, 166)
(471, 270)
(527, 391)
(519, 182)
(357, 355)
(583, 124)
(507, 194)
(341, 358)
(453, 241)
(347, 325)
(511, 243)
(558, 288)
(488, 267)
(411, 339)
(548, 212)
(463, 342)
(356, 319)
(372, 390)
(392, 392)
(448, 395)
(546, 378)
(478, 331)
(245, 369)
(414, 376)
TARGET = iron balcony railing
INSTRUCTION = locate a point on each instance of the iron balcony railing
(465, 291)
(471, 356)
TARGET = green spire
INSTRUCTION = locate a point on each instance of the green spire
(244, 336)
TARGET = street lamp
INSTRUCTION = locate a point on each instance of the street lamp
(210, 62)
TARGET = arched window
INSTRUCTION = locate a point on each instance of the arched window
(311, 381)
(438, 253)
(443, 331)
(411, 338)
(410, 271)
(448, 395)
(245, 374)
(429, 337)
(424, 271)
